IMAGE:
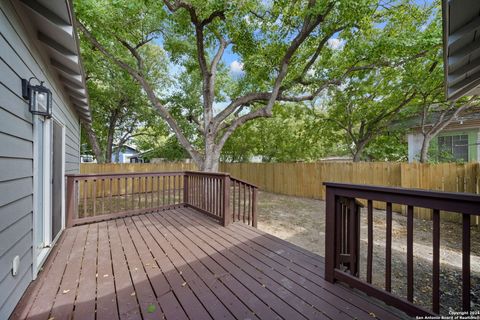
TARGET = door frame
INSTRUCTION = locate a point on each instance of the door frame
(40, 255)
(62, 174)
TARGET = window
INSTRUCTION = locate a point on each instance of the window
(453, 148)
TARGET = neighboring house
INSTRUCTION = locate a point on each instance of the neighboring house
(126, 154)
(459, 141)
(37, 39)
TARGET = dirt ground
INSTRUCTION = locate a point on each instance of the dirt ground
(302, 222)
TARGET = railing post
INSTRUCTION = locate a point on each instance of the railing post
(185, 188)
(226, 201)
(254, 207)
(330, 229)
(70, 201)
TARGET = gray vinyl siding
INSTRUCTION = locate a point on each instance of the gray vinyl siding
(20, 58)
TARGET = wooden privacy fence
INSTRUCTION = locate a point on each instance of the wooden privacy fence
(101, 196)
(306, 179)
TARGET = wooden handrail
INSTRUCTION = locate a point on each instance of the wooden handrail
(103, 196)
(342, 238)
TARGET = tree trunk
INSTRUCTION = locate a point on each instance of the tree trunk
(359, 150)
(211, 159)
(425, 146)
(114, 115)
(92, 138)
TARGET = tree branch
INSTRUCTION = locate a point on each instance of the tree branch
(164, 113)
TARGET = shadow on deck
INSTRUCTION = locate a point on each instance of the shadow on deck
(181, 264)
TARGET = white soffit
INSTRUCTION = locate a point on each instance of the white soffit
(51, 23)
(461, 44)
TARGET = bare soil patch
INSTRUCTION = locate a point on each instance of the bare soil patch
(302, 222)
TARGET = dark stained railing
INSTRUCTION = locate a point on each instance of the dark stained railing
(207, 193)
(96, 197)
(342, 239)
(244, 202)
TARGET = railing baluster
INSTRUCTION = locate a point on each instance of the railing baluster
(436, 262)
(169, 189)
(352, 235)
(339, 218)
(388, 249)
(209, 198)
(110, 203)
(233, 200)
(174, 189)
(133, 194)
(119, 193)
(214, 195)
(126, 194)
(370, 240)
(163, 190)
(85, 193)
(152, 205)
(466, 262)
(217, 194)
(158, 191)
(239, 199)
(226, 216)
(244, 202)
(254, 207)
(145, 192)
(207, 194)
(103, 196)
(410, 253)
(94, 197)
(249, 205)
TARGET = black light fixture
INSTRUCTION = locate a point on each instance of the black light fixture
(39, 97)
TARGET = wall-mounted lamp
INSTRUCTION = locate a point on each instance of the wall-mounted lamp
(39, 97)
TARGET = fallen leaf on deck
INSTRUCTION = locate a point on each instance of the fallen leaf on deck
(151, 308)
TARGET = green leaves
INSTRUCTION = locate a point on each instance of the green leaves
(364, 59)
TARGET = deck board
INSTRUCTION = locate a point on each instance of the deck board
(180, 264)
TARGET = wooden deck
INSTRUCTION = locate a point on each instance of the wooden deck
(180, 264)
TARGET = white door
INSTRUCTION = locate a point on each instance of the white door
(41, 191)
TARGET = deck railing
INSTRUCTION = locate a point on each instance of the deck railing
(342, 239)
(244, 201)
(96, 197)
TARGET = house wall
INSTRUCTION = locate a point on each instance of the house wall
(473, 140)
(20, 58)
(415, 141)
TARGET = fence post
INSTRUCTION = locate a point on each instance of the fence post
(254, 207)
(70, 201)
(227, 216)
(330, 229)
(185, 188)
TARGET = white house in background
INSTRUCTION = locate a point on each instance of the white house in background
(126, 154)
(38, 43)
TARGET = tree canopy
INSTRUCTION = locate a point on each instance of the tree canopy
(334, 74)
